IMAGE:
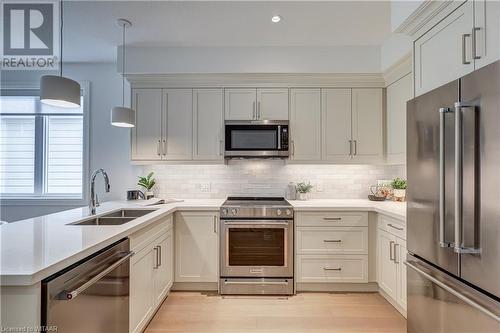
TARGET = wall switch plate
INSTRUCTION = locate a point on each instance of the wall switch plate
(205, 187)
(319, 187)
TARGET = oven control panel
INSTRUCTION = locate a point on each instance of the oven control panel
(259, 212)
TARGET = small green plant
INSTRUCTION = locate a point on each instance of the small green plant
(399, 184)
(147, 182)
(304, 188)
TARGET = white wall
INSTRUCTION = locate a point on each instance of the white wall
(401, 10)
(109, 146)
(268, 178)
(339, 59)
(393, 49)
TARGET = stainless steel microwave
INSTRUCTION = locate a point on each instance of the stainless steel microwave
(256, 138)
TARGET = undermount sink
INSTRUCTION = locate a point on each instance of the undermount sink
(115, 218)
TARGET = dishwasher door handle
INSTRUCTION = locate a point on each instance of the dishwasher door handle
(65, 295)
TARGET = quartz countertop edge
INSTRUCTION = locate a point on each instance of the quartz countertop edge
(34, 249)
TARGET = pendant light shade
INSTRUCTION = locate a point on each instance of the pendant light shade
(122, 116)
(59, 91)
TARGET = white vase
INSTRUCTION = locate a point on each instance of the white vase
(302, 196)
(399, 195)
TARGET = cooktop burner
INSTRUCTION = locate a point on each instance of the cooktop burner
(256, 207)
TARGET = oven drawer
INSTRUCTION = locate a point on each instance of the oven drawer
(332, 218)
(256, 286)
(332, 268)
(327, 240)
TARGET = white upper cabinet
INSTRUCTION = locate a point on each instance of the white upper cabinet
(367, 125)
(208, 122)
(256, 104)
(272, 104)
(305, 124)
(240, 104)
(147, 133)
(177, 139)
(398, 93)
(336, 121)
(445, 52)
(487, 32)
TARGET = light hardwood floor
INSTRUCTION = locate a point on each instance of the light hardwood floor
(195, 312)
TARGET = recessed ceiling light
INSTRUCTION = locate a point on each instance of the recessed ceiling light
(276, 18)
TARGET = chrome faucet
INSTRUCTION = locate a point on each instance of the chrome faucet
(94, 199)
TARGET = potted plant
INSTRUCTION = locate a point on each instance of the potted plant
(148, 183)
(303, 189)
(399, 189)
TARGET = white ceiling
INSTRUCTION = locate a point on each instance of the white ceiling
(91, 34)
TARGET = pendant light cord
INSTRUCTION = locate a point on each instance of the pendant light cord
(123, 67)
(61, 40)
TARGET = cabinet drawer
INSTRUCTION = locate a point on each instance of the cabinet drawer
(339, 219)
(143, 237)
(393, 226)
(336, 268)
(332, 240)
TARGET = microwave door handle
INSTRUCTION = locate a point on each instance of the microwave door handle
(279, 137)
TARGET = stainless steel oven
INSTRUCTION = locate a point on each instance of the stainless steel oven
(256, 138)
(256, 246)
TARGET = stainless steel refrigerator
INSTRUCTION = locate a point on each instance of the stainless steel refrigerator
(453, 166)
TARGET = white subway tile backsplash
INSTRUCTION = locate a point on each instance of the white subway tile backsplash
(268, 178)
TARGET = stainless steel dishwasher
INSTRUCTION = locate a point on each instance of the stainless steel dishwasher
(92, 295)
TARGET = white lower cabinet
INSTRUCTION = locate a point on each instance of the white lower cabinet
(196, 247)
(151, 271)
(391, 254)
(332, 268)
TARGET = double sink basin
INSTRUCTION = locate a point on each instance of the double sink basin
(118, 217)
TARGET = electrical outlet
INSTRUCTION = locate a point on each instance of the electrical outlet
(205, 187)
(319, 187)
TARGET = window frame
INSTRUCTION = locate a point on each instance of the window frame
(51, 199)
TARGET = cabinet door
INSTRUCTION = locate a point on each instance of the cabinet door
(146, 134)
(487, 32)
(400, 254)
(178, 124)
(208, 122)
(386, 268)
(336, 113)
(164, 273)
(196, 247)
(305, 123)
(444, 53)
(367, 125)
(141, 291)
(272, 104)
(240, 104)
(398, 93)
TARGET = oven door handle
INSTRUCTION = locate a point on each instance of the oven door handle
(258, 282)
(258, 223)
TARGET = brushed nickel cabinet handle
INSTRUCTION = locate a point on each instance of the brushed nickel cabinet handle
(164, 147)
(332, 241)
(391, 253)
(350, 147)
(474, 43)
(254, 116)
(394, 227)
(464, 49)
(396, 255)
(332, 218)
(258, 111)
(159, 256)
(355, 147)
(156, 265)
(158, 148)
(332, 269)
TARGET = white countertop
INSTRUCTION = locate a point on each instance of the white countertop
(393, 209)
(33, 249)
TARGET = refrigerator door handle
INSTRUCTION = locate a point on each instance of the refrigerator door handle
(442, 184)
(414, 266)
(458, 243)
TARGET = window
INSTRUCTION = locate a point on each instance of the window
(41, 148)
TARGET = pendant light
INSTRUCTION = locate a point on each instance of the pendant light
(59, 90)
(123, 116)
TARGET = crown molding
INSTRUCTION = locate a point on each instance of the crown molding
(221, 80)
(427, 15)
(396, 71)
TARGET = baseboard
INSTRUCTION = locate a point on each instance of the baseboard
(393, 302)
(340, 287)
(195, 286)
